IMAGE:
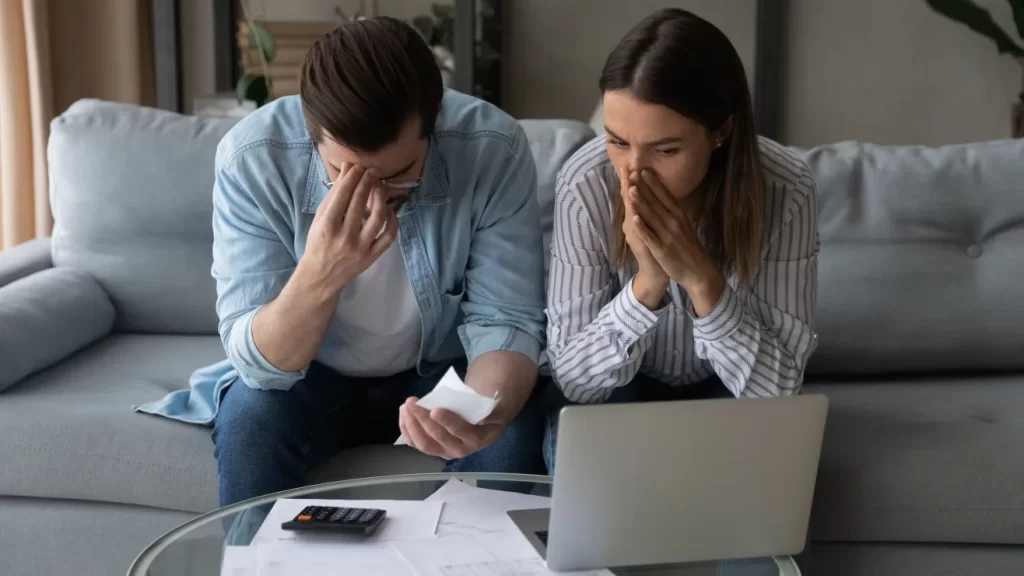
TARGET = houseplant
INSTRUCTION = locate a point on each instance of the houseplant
(980, 20)
(257, 87)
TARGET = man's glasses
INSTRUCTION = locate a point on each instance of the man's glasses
(405, 184)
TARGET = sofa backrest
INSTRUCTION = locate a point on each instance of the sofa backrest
(130, 190)
(131, 193)
(922, 258)
(552, 142)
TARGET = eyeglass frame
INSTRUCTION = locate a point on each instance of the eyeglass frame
(408, 184)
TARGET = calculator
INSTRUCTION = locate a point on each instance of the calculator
(359, 521)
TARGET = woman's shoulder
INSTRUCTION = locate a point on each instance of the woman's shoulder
(789, 189)
(589, 165)
(782, 164)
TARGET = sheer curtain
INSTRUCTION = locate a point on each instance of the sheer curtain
(53, 52)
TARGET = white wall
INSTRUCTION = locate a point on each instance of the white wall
(555, 49)
(893, 72)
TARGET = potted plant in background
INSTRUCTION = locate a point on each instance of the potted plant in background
(258, 87)
(980, 20)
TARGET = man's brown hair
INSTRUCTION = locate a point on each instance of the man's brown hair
(362, 81)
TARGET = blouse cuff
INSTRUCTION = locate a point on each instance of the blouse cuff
(724, 319)
(633, 318)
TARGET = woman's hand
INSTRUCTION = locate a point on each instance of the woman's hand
(651, 281)
(665, 229)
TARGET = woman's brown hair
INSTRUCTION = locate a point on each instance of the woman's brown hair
(680, 61)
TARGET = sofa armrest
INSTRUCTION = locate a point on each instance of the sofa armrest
(24, 259)
(46, 317)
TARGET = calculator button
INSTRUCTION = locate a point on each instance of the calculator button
(368, 516)
(355, 513)
(339, 514)
(304, 518)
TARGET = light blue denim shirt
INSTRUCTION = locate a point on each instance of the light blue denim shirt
(470, 237)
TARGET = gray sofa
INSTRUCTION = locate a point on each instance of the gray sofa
(919, 351)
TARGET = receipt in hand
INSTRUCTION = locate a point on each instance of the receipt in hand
(451, 393)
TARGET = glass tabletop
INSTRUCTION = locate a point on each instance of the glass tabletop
(198, 546)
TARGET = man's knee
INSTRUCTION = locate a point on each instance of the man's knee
(250, 417)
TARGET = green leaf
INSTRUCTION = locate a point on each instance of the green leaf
(258, 36)
(1018, 15)
(978, 19)
(252, 87)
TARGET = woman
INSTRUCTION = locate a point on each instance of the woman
(684, 255)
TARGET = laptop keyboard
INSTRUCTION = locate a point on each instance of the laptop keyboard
(543, 535)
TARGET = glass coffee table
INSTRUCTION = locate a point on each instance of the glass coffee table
(198, 546)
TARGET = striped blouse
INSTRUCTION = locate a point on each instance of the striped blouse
(757, 338)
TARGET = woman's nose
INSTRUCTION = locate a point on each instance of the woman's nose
(635, 162)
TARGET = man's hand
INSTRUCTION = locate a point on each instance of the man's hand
(443, 433)
(340, 246)
(651, 281)
(289, 329)
(509, 376)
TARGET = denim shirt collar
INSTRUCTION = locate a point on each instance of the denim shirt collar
(433, 190)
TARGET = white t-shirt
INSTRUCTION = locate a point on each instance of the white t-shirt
(377, 326)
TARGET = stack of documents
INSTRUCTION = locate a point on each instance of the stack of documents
(460, 530)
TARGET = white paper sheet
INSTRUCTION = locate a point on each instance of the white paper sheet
(475, 537)
(239, 561)
(469, 510)
(327, 558)
(451, 393)
(505, 554)
(405, 519)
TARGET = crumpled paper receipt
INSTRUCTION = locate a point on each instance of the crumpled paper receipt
(451, 393)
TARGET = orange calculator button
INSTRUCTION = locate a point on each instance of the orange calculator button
(305, 518)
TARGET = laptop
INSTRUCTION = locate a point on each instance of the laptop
(679, 482)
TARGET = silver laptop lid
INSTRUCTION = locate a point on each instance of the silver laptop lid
(667, 482)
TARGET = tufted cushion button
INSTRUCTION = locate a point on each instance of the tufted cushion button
(974, 250)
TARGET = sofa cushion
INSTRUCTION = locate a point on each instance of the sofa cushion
(552, 142)
(132, 197)
(131, 190)
(69, 431)
(24, 259)
(923, 460)
(46, 317)
(920, 259)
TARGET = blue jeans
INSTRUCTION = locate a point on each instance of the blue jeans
(646, 389)
(267, 440)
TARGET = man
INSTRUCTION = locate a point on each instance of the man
(369, 234)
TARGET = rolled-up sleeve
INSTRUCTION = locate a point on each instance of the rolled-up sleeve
(503, 305)
(251, 264)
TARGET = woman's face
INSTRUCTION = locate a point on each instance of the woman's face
(643, 135)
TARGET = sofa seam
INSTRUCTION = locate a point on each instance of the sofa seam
(162, 466)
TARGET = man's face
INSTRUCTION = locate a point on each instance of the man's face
(400, 163)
